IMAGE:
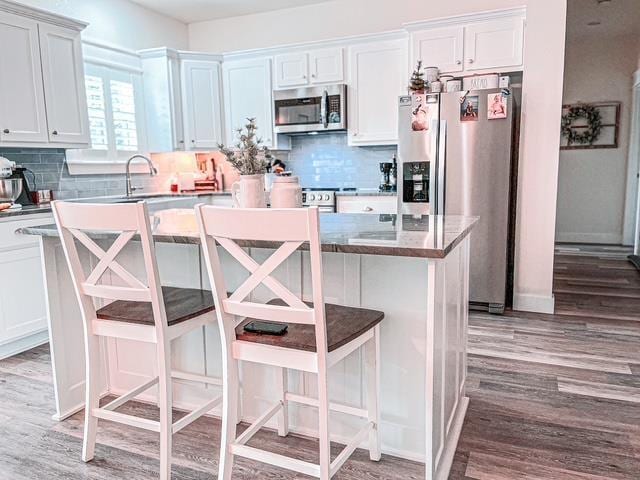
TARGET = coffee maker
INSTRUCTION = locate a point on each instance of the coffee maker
(385, 176)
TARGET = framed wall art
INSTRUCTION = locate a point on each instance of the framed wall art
(590, 125)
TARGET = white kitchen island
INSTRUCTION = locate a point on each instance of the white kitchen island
(415, 270)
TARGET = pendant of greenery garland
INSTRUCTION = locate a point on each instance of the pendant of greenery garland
(590, 134)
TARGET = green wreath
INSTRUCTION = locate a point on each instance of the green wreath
(591, 133)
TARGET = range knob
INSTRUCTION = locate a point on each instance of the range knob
(312, 197)
(326, 197)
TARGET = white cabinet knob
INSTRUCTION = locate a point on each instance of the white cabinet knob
(458, 62)
(471, 60)
(367, 209)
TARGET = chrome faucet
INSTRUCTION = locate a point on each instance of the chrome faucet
(152, 171)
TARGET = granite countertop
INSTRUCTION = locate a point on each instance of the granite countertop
(422, 237)
(365, 192)
(46, 208)
(25, 210)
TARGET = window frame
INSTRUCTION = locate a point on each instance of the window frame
(81, 161)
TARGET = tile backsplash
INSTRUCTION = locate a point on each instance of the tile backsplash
(51, 173)
(319, 161)
(327, 161)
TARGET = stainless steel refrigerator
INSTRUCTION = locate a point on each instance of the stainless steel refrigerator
(455, 157)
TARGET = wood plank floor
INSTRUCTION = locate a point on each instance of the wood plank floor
(553, 397)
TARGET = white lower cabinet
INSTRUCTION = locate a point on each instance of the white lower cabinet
(377, 78)
(23, 312)
(374, 204)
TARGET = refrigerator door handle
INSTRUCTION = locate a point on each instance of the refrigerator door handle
(442, 166)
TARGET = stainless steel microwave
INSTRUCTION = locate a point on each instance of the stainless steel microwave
(311, 109)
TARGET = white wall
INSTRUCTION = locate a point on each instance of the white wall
(120, 22)
(592, 183)
(541, 109)
(325, 20)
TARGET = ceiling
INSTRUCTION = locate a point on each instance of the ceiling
(616, 17)
(189, 11)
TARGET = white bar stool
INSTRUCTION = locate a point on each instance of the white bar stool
(318, 335)
(138, 311)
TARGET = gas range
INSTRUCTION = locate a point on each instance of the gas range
(323, 198)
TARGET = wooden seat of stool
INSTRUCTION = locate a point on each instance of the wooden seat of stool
(344, 324)
(181, 304)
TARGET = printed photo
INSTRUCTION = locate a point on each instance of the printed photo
(420, 117)
(496, 106)
(469, 109)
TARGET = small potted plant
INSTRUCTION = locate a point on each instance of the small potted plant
(251, 159)
(417, 83)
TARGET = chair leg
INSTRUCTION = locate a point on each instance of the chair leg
(283, 415)
(230, 390)
(239, 393)
(323, 427)
(92, 396)
(372, 360)
(165, 401)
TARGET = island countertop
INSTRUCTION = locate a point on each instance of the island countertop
(429, 236)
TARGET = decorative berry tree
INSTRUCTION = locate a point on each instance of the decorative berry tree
(417, 83)
(249, 157)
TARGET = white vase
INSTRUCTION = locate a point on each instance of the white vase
(249, 192)
(286, 193)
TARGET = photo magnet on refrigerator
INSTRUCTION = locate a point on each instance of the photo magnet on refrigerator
(496, 106)
(469, 108)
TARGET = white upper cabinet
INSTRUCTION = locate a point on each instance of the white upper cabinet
(42, 95)
(247, 94)
(326, 66)
(22, 109)
(163, 100)
(441, 47)
(471, 44)
(64, 89)
(182, 95)
(291, 69)
(373, 97)
(494, 44)
(202, 106)
(307, 68)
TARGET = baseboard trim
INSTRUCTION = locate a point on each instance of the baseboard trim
(602, 238)
(534, 303)
(23, 344)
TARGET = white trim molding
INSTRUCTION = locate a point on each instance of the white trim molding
(41, 15)
(316, 44)
(630, 229)
(525, 302)
(589, 237)
(165, 52)
(465, 18)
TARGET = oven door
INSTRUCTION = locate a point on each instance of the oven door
(310, 109)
